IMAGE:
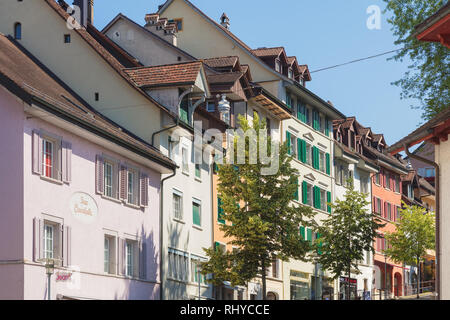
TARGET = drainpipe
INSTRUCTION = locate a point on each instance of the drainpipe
(161, 228)
(437, 217)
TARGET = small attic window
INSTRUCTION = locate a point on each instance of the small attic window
(97, 96)
(290, 73)
(17, 31)
(67, 38)
(179, 23)
(277, 65)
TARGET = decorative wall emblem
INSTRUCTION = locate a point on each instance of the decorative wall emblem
(83, 207)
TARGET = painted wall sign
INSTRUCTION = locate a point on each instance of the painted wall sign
(83, 207)
(63, 276)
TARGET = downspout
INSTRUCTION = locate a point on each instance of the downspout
(437, 217)
(161, 228)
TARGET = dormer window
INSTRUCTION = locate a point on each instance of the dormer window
(278, 65)
(290, 73)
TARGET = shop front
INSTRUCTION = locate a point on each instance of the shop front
(344, 284)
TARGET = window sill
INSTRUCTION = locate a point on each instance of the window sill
(178, 221)
(198, 179)
(111, 199)
(133, 206)
(312, 168)
(185, 173)
(52, 180)
(197, 227)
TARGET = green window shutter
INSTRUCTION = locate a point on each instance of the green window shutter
(328, 163)
(319, 250)
(303, 149)
(315, 120)
(288, 139)
(329, 201)
(296, 191)
(196, 215)
(327, 127)
(299, 111)
(299, 149)
(318, 198)
(305, 192)
(316, 158)
(220, 212)
(309, 235)
(216, 246)
(302, 233)
(315, 197)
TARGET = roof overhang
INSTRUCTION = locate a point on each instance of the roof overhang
(436, 28)
(391, 167)
(272, 104)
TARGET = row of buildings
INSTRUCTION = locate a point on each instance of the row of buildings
(98, 127)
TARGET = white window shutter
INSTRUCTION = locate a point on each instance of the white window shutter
(66, 161)
(60, 244)
(143, 260)
(144, 190)
(123, 182)
(121, 256)
(99, 174)
(37, 153)
(38, 239)
(66, 246)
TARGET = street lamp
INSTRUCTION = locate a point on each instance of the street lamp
(49, 270)
(224, 108)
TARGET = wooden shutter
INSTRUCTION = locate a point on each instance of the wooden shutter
(123, 183)
(383, 176)
(66, 162)
(99, 174)
(328, 164)
(288, 139)
(144, 190)
(305, 192)
(329, 201)
(67, 245)
(38, 239)
(143, 260)
(302, 233)
(374, 204)
(309, 234)
(37, 153)
(299, 149)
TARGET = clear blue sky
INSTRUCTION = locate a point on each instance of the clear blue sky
(321, 34)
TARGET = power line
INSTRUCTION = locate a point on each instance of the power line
(357, 60)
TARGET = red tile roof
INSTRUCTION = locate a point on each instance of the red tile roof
(268, 52)
(221, 62)
(167, 75)
(29, 79)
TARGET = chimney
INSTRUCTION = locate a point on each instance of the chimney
(225, 21)
(86, 11)
(330, 103)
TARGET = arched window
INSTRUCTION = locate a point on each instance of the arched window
(18, 31)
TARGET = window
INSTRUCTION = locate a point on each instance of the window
(211, 106)
(307, 193)
(97, 96)
(377, 178)
(290, 73)
(110, 254)
(185, 159)
(275, 268)
(18, 31)
(288, 100)
(364, 184)
(131, 258)
(308, 113)
(178, 265)
(198, 161)
(322, 161)
(196, 213)
(48, 161)
(67, 38)
(397, 184)
(410, 191)
(179, 23)
(177, 201)
(323, 200)
(133, 187)
(378, 208)
(388, 211)
(196, 276)
(388, 180)
(49, 241)
(397, 211)
(108, 179)
(277, 65)
(309, 160)
(293, 150)
(220, 246)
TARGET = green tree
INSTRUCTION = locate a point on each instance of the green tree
(415, 234)
(347, 234)
(262, 220)
(428, 76)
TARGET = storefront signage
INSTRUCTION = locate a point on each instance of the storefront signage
(63, 276)
(83, 207)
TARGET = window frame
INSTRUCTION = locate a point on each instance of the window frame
(179, 194)
(198, 203)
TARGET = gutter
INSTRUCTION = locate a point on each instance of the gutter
(161, 228)
(437, 217)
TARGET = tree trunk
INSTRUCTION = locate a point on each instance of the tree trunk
(264, 294)
(418, 277)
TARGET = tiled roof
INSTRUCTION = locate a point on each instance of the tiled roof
(421, 132)
(167, 75)
(221, 62)
(108, 57)
(409, 177)
(291, 60)
(425, 184)
(27, 78)
(230, 77)
(268, 52)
